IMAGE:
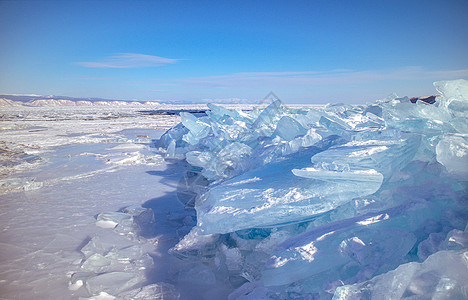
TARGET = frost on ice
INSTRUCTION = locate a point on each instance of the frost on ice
(343, 202)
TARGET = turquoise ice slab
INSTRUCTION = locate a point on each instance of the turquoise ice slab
(272, 195)
(197, 128)
(452, 152)
(371, 241)
(288, 128)
(442, 276)
(385, 156)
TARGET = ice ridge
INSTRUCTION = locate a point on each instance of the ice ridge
(343, 202)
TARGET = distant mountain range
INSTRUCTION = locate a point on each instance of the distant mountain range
(38, 100)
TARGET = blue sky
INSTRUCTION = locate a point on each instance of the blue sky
(304, 51)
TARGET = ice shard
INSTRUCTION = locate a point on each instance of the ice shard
(452, 152)
(444, 275)
(367, 244)
(113, 283)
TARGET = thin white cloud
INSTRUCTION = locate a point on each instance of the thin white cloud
(96, 78)
(129, 60)
(316, 78)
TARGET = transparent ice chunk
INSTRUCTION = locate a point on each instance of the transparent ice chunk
(113, 282)
(195, 244)
(217, 112)
(197, 128)
(269, 116)
(288, 128)
(96, 263)
(452, 152)
(335, 246)
(199, 159)
(382, 155)
(444, 275)
(335, 126)
(92, 247)
(233, 258)
(125, 254)
(141, 215)
(430, 245)
(175, 135)
(311, 138)
(112, 219)
(362, 176)
(155, 291)
(197, 273)
(455, 95)
(276, 197)
(455, 240)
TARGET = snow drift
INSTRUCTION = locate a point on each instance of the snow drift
(343, 202)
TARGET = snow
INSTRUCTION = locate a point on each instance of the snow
(268, 202)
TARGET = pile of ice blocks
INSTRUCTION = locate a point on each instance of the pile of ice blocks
(343, 202)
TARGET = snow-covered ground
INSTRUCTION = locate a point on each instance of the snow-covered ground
(60, 168)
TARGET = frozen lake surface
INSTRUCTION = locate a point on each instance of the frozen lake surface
(61, 167)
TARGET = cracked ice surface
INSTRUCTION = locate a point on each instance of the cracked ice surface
(72, 139)
(60, 168)
(342, 202)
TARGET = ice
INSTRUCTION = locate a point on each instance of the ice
(197, 129)
(155, 291)
(124, 259)
(129, 147)
(383, 156)
(96, 263)
(125, 254)
(113, 283)
(26, 184)
(130, 221)
(233, 258)
(452, 152)
(141, 216)
(455, 240)
(455, 96)
(114, 219)
(218, 112)
(339, 201)
(225, 164)
(267, 119)
(198, 274)
(110, 269)
(442, 276)
(195, 244)
(352, 246)
(279, 197)
(341, 175)
(101, 296)
(288, 128)
(92, 247)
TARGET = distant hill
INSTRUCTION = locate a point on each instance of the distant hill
(38, 100)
